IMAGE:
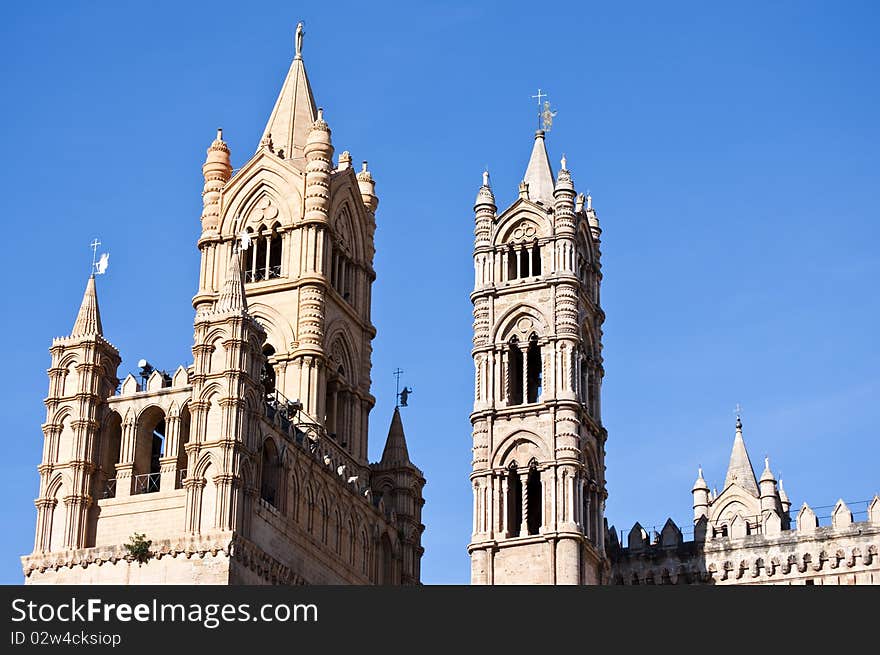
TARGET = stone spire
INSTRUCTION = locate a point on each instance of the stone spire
(294, 112)
(395, 453)
(485, 195)
(88, 320)
(740, 469)
(539, 175)
(232, 298)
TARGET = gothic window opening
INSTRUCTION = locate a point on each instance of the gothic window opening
(112, 443)
(274, 270)
(263, 258)
(535, 499)
(182, 440)
(269, 473)
(514, 373)
(267, 375)
(534, 372)
(149, 449)
(523, 260)
(342, 272)
(514, 502)
(512, 261)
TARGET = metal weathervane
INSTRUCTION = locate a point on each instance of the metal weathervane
(545, 113)
(99, 264)
(402, 395)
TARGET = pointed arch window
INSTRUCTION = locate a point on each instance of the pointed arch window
(534, 498)
(514, 501)
(264, 256)
(514, 372)
(534, 372)
(523, 260)
(269, 473)
(343, 273)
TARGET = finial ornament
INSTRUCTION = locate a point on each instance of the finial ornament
(486, 177)
(99, 264)
(299, 40)
(563, 163)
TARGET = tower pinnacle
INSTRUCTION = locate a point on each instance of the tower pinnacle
(88, 319)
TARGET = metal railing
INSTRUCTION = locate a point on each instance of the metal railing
(179, 477)
(109, 489)
(147, 483)
(260, 274)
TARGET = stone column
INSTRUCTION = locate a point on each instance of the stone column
(505, 510)
(524, 484)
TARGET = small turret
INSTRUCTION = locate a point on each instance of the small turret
(367, 186)
(767, 483)
(217, 170)
(701, 497)
(484, 212)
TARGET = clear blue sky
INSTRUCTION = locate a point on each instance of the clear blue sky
(732, 154)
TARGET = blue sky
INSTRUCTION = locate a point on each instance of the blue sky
(731, 153)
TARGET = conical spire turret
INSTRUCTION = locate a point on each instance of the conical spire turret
(232, 298)
(88, 319)
(739, 470)
(539, 175)
(294, 112)
(395, 453)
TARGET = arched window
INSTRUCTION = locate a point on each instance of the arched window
(514, 501)
(111, 442)
(535, 498)
(386, 576)
(514, 372)
(523, 260)
(269, 473)
(149, 449)
(275, 241)
(182, 457)
(534, 372)
(264, 256)
(338, 407)
(267, 375)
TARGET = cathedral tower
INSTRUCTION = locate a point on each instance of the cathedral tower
(254, 457)
(538, 442)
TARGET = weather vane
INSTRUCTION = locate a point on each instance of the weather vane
(401, 394)
(545, 114)
(99, 264)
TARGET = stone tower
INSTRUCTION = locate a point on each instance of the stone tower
(81, 378)
(538, 442)
(249, 466)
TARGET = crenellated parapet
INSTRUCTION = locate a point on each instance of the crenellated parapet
(844, 552)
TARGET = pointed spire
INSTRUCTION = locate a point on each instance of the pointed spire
(700, 484)
(294, 111)
(485, 195)
(395, 453)
(783, 497)
(232, 298)
(767, 475)
(88, 320)
(539, 175)
(740, 469)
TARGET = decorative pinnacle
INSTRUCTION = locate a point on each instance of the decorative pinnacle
(486, 177)
(563, 162)
(219, 133)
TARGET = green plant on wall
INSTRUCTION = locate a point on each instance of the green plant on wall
(138, 547)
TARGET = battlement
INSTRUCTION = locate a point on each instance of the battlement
(844, 552)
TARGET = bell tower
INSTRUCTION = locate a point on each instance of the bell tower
(538, 441)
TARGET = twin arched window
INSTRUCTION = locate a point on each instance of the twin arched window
(524, 500)
(262, 261)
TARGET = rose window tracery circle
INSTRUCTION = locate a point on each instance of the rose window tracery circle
(524, 231)
(265, 210)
